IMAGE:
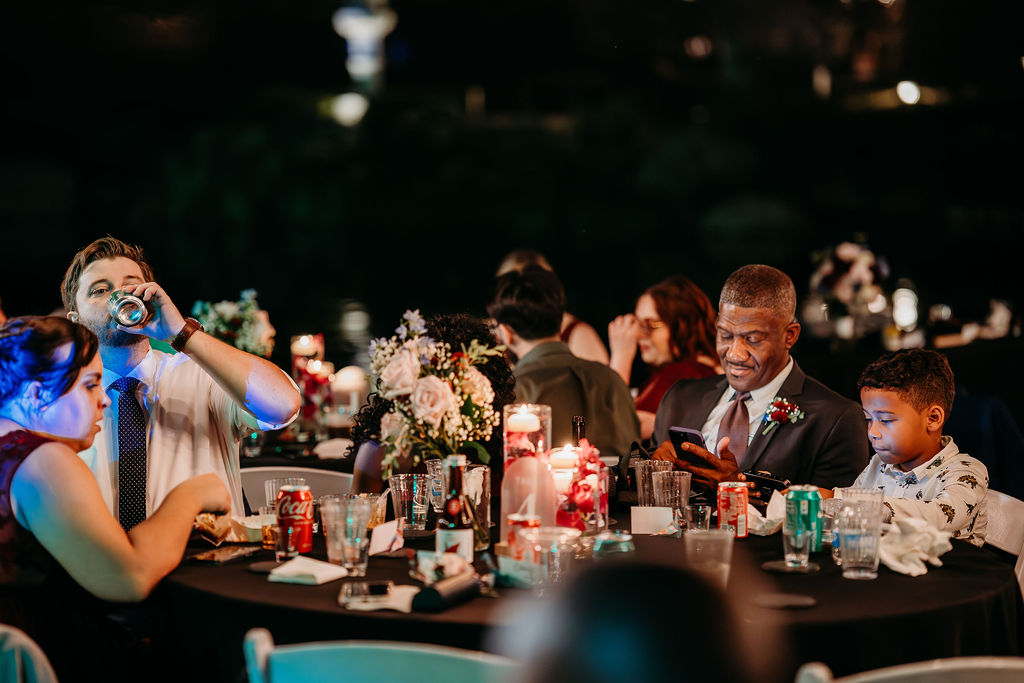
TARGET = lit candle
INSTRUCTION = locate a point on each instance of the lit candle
(522, 421)
(562, 479)
(563, 458)
(303, 346)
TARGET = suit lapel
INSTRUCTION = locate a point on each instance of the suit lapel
(790, 389)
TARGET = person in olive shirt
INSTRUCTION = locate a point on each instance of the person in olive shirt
(527, 308)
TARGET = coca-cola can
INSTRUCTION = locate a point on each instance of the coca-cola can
(732, 507)
(295, 516)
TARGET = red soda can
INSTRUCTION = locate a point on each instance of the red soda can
(732, 507)
(295, 513)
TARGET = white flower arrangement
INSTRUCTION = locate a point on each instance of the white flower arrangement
(440, 402)
(243, 324)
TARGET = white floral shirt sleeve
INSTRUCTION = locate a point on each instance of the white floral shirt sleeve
(948, 491)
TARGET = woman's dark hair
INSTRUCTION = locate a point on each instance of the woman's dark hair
(689, 316)
(27, 348)
(458, 329)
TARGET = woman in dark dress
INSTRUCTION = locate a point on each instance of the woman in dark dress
(64, 559)
(674, 329)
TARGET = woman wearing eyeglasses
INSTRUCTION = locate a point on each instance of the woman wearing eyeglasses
(674, 328)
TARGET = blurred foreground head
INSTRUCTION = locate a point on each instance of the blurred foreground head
(633, 621)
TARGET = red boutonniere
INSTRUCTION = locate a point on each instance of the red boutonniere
(780, 412)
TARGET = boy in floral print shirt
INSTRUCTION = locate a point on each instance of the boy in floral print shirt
(907, 396)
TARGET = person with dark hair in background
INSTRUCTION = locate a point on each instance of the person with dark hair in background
(581, 338)
(171, 415)
(62, 554)
(527, 307)
(458, 329)
(765, 414)
(674, 328)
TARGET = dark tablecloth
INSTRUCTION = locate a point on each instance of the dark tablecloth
(969, 606)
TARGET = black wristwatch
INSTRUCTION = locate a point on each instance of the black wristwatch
(191, 327)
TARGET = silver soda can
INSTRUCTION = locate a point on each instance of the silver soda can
(129, 310)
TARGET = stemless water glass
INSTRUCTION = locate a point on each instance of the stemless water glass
(410, 494)
(272, 486)
(672, 489)
(644, 484)
(439, 486)
(709, 553)
(860, 530)
(345, 525)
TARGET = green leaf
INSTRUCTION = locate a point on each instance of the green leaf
(481, 452)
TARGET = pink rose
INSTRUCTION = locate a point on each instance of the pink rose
(399, 377)
(478, 387)
(431, 399)
(391, 425)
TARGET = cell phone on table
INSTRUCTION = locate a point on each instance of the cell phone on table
(680, 435)
(364, 592)
(224, 554)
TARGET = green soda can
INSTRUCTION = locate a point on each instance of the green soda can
(803, 511)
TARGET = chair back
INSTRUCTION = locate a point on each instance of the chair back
(321, 482)
(1005, 522)
(948, 670)
(21, 658)
(370, 661)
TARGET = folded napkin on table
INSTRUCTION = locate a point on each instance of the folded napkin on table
(909, 543)
(307, 571)
(771, 521)
(398, 598)
(332, 449)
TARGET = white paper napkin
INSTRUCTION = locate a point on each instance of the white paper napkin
(910, 543)
(399, 598)
(771, 521)
(332, 449)
(306, 570)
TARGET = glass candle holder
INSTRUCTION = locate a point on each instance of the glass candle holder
(526, 431)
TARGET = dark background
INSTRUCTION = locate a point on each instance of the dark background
(199, 130)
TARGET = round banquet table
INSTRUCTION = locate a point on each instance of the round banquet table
(969, 606)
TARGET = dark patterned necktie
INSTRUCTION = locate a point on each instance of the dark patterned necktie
(736, 425)
(131, 447)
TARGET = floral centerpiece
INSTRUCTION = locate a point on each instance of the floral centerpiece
(585, 503)
(242, 323)
(441, 403)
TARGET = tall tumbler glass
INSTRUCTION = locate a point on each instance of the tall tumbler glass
(644, 484)
(410, 494)
(672, 489)
(860, 530)
(345, 526)
(439, 487)
(272, 486)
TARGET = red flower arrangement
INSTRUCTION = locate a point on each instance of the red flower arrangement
(587, 497)
(780, 412)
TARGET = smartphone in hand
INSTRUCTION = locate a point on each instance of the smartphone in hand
(681, 435)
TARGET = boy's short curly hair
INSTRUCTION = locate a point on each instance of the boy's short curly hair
(920, 377)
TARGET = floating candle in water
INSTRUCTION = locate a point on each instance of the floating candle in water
(522, 421)
(563, 458)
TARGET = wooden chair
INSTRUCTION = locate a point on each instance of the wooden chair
(369, 661)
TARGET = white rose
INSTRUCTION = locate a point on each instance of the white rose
(431, 399)
(478, 387)
(391, 425)
(226, 309)
(399, 377)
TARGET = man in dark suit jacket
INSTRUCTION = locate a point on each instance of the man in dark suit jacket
(827, 446)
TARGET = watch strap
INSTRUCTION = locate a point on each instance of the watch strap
(191, 327)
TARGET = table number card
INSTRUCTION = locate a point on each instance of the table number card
(386, 538)
(649, 519)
